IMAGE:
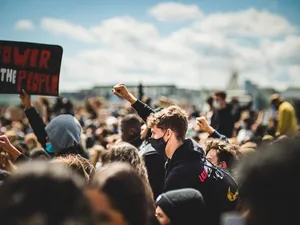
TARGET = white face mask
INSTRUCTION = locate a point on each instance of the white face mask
(216, 105)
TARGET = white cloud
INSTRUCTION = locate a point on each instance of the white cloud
(124, 29)
(62, 27)
(200, 55)
(294, 73)
(174, 12)
(251, 23)
(24, 24)
(286, 50)
(192, 38)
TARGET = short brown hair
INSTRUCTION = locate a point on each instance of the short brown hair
(221, 94)
(225, 152)
(173, 118)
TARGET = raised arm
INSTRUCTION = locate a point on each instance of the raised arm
(35, 120)
(204, 126)
(142, 109)
(10, 149)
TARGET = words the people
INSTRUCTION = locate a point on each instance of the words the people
(33, 67)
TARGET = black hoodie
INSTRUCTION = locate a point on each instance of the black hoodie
(188, 168)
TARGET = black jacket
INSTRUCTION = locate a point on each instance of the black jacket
(154, 162)
(188, 168)
(155, 165)
(223, 121)
(37, 124)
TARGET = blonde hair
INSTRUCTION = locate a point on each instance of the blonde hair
(125, 152)
(79, 164)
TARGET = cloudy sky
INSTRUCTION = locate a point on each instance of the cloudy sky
(188, 43)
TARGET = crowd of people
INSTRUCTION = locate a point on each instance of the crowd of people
(134, 164)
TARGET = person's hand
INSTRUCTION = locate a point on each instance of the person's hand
(5, 143)
(203, 125)
(25, 99)
(121, 91)
(8, 147)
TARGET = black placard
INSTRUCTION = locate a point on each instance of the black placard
(29, 66)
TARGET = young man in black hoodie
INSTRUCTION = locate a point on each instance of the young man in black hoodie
(186, 165)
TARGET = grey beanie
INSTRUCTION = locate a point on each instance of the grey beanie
(64, 131)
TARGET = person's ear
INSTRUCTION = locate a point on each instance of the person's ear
(169, 133)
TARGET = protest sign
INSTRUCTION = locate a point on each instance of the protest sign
(29, 66)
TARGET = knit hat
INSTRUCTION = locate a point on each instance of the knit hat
(64, 131)
(184, 206)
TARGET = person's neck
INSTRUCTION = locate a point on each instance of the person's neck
(136, 141)
(172, 147)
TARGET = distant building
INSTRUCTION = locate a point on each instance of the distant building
(234, 90)
(291, 93)
(191, 97)
(261, 96)
(242, 95)
(154, 91)
(233, 83)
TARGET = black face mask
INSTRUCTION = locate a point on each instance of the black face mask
(159, 145)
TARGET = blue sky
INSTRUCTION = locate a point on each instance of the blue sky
(170, 39)
(88, 12)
